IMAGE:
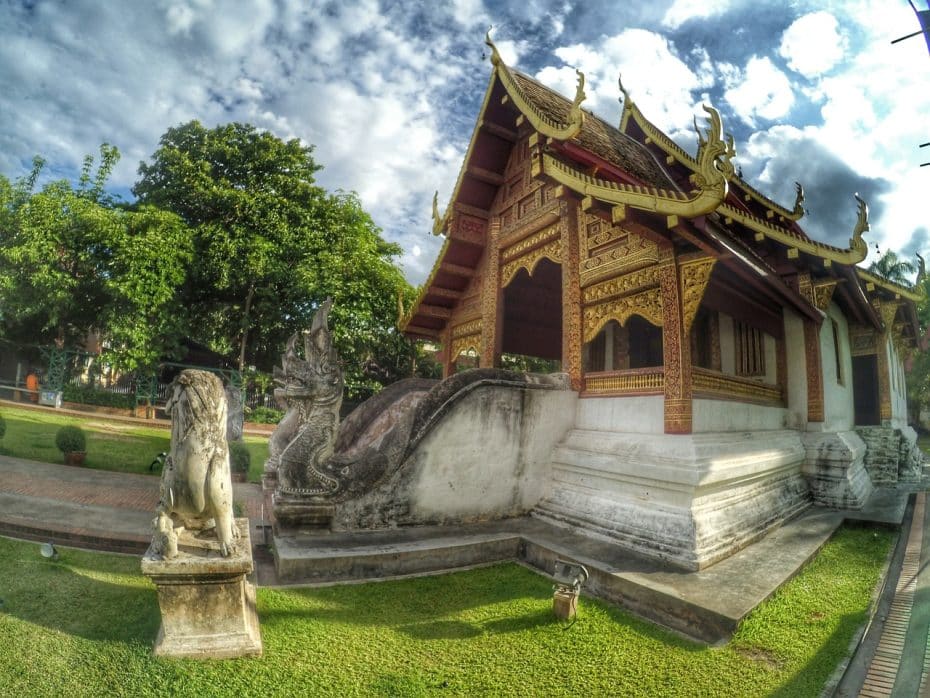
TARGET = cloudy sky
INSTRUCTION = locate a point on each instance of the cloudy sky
(388, 92)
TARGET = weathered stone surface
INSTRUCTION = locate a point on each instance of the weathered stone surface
(235, 414)
(892, 454)
(196, 486)
(688, 500)
(835, 470)
(207, 605)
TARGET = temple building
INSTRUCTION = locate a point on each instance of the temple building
(730, 371)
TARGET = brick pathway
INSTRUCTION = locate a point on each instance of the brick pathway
(88, 508)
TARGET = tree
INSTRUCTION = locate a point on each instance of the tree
(72, 262)
(270, 245)
(892, 268)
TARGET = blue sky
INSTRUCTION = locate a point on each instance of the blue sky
(388, 92)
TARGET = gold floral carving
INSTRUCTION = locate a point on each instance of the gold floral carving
(635, 252)
(862, 340)
(535, 240)
(571, 295)
(823, 293)
(676, 353)
(647, 304)
(888, 310)
(465, 344)
(551, 250)
(467, 328)
(621, 285)
(491, 300)
(814, 372)
(694, 278)
(805, 288)
(734, 388)
(634, 381)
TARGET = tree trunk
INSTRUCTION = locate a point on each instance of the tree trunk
(245, 328)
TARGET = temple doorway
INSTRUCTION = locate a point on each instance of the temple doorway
(532, 323)
(866, 401)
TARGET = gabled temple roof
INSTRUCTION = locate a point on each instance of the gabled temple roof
(633, 167)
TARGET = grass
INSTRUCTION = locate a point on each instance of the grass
(111, 444)
(85, 625)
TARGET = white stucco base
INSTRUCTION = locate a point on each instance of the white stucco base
(892, 454)
(835, 469)
(689, 500)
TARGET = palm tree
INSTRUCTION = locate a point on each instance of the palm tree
(892, 268)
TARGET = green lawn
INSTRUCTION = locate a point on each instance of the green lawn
(84, 626)
(111, 444)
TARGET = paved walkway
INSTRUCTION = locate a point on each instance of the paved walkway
(89, 508)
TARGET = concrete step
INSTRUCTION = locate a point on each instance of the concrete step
(707, 605)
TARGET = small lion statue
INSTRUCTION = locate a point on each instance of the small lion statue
(196, 488)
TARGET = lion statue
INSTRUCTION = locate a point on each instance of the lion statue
(196, 488)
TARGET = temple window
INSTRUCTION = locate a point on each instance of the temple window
(705, 340)
(750, 350)
(836, 351)
(645, 343)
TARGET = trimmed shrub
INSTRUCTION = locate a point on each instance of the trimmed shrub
(87, 395)
(239, 457)
(265, 415)
(71, 439)
(2, 427)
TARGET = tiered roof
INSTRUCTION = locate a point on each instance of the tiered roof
(637, 170)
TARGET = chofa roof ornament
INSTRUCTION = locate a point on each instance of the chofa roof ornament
(439, 222)
(541, 122)
(798, 200)
(714, 156)
(856, 243)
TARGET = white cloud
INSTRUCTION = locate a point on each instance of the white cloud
(813, 44)
(683, 10)
(658, 80)
(763, 92)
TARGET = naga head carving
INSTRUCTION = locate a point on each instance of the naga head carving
(798, 200)
(714, 156)
(318, 376)
(856, 242)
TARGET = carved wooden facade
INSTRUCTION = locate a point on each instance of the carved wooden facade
(563, 237)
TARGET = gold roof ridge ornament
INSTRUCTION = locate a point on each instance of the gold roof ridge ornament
(856, 243)
(714, 167)
(440, 223)
(798, 209)
(542, 123)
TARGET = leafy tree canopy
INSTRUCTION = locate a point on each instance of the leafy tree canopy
(71, 262)
(270, 245)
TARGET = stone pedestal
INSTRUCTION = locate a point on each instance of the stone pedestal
(296, 514)
(565, 604)
(207, 606)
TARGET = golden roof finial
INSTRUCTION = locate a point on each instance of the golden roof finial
(439, 222)
(625, 98)
(495, 56)
(714, 156)
(862, 225)
(799, 199)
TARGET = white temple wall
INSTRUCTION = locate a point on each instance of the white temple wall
(490, 457)
(796, 362)
(635, 415)
(838, 408)
(727, 415)
(897, 385)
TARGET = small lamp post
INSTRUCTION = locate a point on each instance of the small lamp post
(569, 577)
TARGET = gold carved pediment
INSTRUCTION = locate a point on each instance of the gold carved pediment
(647, 304)
(694, 277)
